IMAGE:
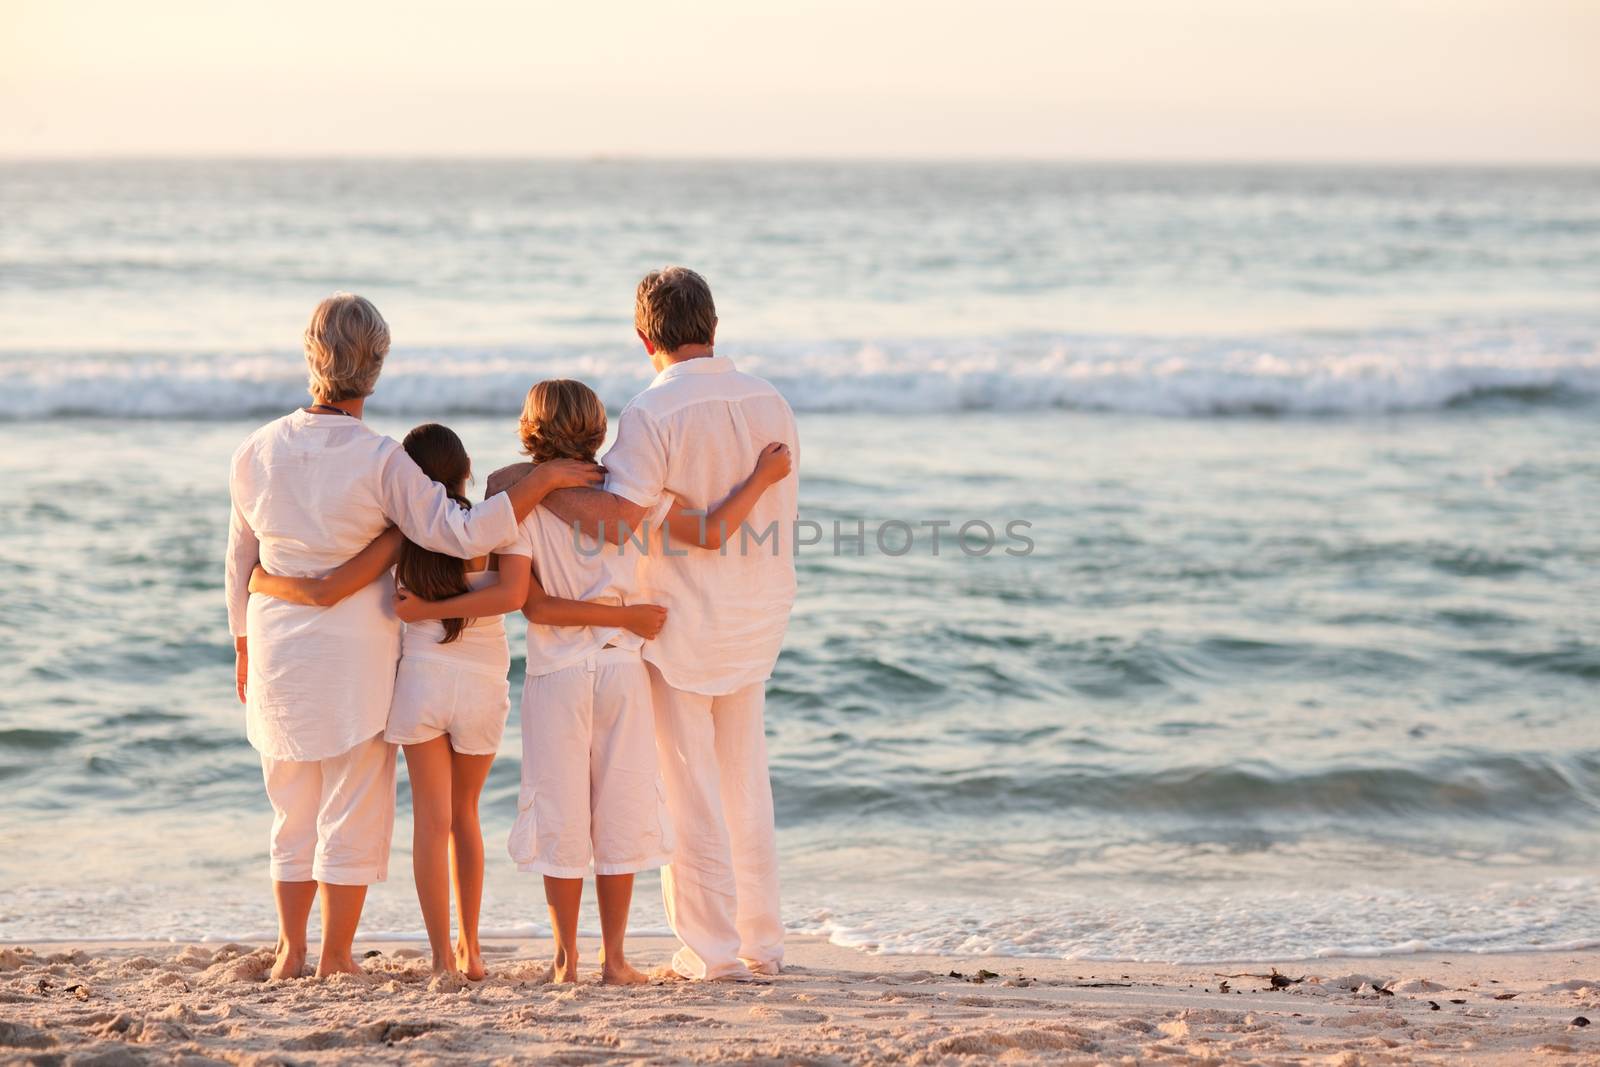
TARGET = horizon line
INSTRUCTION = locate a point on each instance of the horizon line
(1581, 162)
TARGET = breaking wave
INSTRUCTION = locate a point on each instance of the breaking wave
(1187, 377)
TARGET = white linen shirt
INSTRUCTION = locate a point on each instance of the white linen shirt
(310, 491)
(695, 433)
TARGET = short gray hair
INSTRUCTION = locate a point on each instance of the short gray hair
(346, 341)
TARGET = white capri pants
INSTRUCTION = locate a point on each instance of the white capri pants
(721, 890)
(591, 792)
(333, 817)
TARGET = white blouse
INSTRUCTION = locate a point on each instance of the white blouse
(310, 491)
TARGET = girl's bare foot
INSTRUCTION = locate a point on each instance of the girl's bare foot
(444, 965)
(622, 973)
(290, 961)
(470, 961)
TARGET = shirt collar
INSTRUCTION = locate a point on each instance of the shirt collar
(698, 365)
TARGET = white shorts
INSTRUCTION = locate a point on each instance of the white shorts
(333, 817)
(434, 697)
(591, 793)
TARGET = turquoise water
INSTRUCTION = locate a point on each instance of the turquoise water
(1304, 658)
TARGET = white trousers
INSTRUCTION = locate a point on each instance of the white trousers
(333, 818)
(721, 890)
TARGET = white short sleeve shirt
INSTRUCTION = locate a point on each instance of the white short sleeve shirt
(574, 567)
(694, 434)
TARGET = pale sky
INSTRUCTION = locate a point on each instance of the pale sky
(1359, 80)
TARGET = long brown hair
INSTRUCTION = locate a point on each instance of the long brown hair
(434, 575)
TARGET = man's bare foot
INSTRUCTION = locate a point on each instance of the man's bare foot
(290, 961)
(622, 973)
(470, 962)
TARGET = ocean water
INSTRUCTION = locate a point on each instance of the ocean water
(1304, 656)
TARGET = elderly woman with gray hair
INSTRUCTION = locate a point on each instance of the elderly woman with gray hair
(311, 490)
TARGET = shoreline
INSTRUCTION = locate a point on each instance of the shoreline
(390, 941)
(162, 1001)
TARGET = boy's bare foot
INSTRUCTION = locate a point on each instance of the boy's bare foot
(327, 968)
(470, 961)
(290, 961)
(622, 973)
(564, 968)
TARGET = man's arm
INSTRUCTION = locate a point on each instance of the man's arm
(599, 514)
(587, 508)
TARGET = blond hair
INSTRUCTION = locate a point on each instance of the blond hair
(345, 341)
(562, 419)
(673, 307)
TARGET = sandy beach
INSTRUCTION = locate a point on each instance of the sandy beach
(128, 1003)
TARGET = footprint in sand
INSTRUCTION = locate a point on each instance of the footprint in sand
(21, 1035)
(383, 1032)
(788, 1015)
(998, 1042)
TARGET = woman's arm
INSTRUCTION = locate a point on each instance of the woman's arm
(426, 514)
(713, 530)
(243, 552)
(504, 594)
(645, 620)
(356, 573)
(244, 549)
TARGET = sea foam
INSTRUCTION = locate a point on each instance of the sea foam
(1193, 377)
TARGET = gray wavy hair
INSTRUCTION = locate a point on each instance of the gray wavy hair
(345, 341)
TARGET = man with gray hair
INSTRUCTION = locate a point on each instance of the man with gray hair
(695, 433)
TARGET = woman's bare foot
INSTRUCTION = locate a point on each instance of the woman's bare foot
(470, 961)
(622, 973)
(290, 961)
(445, 965)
